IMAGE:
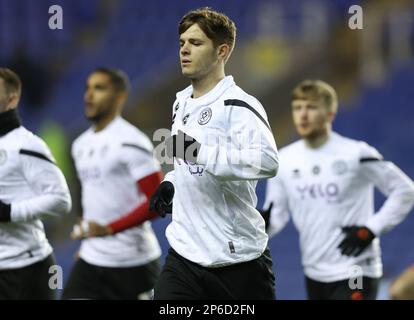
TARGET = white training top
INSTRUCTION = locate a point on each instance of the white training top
(214, 219)
(35, 187)
(109, 163)
(331, 187)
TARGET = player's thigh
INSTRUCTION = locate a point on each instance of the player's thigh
(253, 280)
(179, 280)
(84, 282)
(367, 291)
(316, 290)
(11, 284)
(131, 283)
(29, 282)
(38, 283)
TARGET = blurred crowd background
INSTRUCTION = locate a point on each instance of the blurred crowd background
(279, 43)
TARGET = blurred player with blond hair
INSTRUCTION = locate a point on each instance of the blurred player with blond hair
(326, 183)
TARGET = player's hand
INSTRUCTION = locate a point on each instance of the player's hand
(182, 146)
(162, 199)
(357, 239)
(89, 229)
(266, 215)
(5, 212)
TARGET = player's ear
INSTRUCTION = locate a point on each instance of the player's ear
(223, 51)
(13, 101)
(122, 98)
(331, 116)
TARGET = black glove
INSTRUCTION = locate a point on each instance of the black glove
(161, 200)
(183, 146)
(357, 239)
(5, 210)
(266, 215)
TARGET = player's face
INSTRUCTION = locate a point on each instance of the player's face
(100, 96)
(198, 56)
(311, 118)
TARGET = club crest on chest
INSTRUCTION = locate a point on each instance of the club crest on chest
(205, 116)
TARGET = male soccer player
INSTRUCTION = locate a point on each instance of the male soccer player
(222, 144)
(32, 187)
(326, 183)
(119, 256)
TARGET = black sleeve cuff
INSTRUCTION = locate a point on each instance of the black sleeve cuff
(5, 212)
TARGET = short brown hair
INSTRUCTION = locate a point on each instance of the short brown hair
(118, 78)
(12, 81)
(216, 25)
(317, 90)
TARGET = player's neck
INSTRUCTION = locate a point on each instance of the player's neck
(204, 85)
(317, 141)
(104, 122)
(9, 120)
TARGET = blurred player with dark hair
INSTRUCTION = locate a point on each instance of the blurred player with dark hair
(326, 183)
(119, 256)
(32, 187)
(222, 144)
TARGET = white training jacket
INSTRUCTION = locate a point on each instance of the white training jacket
(108, 164)
(35, 187)
(214, 220)
(330, 187)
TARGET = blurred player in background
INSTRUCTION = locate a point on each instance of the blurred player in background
(119, 256)
(326, 182)
(31, 187)
(222, 144)
(402, 288)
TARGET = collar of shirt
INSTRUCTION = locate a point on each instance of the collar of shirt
(108, 128)
(210, 96)
(9, 121)
(332, 138)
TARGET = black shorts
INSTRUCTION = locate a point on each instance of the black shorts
(340, 290)
(28, 283)
(182, 279)
(87, 281)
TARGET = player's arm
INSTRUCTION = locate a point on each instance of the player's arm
(147, 185)
(161, 201)
(77, 187)
(395, 185)
(245, 150)
(44, 177)
(137, 216)
(146, 170)
(276, 208)
(249, 149)
(399, 190)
